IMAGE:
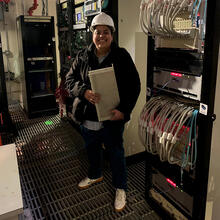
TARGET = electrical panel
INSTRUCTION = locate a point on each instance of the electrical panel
(92, 7)
(72, 31)
(79, 15)
(181, 73)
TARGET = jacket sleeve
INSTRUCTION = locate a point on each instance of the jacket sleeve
(128, 83)
(74, 79)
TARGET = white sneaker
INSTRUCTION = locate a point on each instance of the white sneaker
(85, 183)
(120, 200)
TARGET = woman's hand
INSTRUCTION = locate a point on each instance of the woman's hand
(117, 115)
(91, 96)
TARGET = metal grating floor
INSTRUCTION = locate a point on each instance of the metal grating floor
(52, 161)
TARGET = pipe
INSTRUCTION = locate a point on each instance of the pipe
(31, 9)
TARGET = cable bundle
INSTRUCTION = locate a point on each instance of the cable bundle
(157, 17)
(168, 128)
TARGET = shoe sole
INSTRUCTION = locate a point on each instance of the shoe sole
(97, 181)
(119, 210)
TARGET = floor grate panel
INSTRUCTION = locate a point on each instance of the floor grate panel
(52, 161)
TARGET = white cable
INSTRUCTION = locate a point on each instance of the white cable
(141, 17)
(176, 12)
(172, 132)
(176, 7)
(165, 140)
(149, 13)
(151, 131)
(168, 6)
(184, 118)
(144, 117)
(163, 17)
(159, 26)
(169, 16)
(157, 120)
(160, 103)
(156, 11)
(159, 128)
(160, 18)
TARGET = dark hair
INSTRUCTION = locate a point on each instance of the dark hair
(110, 28)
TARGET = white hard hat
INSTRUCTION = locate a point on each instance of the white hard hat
(102, 19)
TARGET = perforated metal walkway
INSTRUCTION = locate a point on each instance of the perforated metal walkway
(52, 161)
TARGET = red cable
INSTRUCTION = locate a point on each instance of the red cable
(31, 9)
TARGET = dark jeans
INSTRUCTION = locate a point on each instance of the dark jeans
(112, 138)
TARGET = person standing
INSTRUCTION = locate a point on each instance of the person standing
(102, 53)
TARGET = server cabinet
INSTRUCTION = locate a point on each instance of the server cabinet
(38, 64)
(185, 72)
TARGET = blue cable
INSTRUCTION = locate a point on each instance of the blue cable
(185, 156)
(197, 9)
(193, 162)
(192, 126)
(204, 21)
(186, 147)
(193, 9)
(194, 13)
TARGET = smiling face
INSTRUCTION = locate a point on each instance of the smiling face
(102, 37)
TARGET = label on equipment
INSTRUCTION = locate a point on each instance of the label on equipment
(203, 109)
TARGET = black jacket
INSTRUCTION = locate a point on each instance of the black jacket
(128, 82)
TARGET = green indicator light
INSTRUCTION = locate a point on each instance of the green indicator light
(48, 122)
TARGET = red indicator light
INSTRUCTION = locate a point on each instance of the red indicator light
(176, 74)
(171, 182)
